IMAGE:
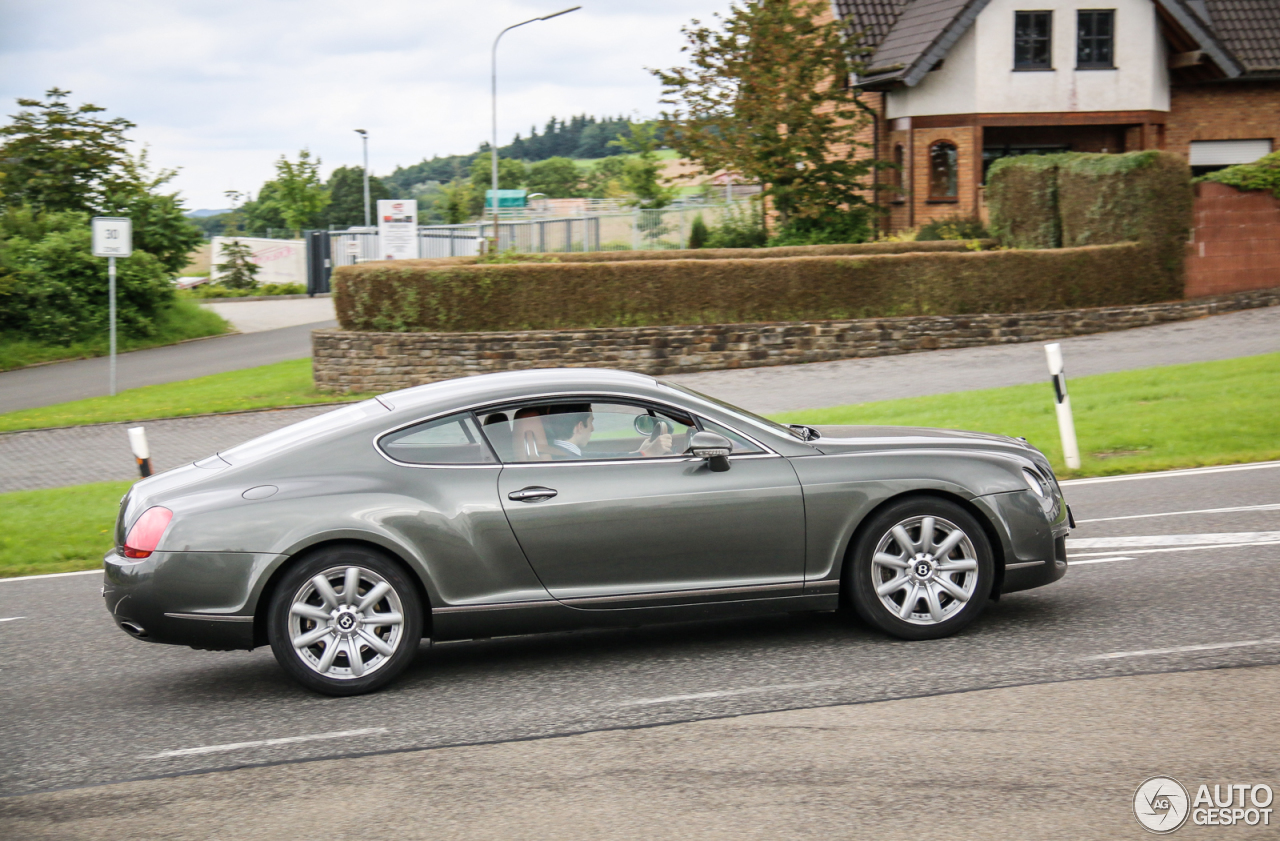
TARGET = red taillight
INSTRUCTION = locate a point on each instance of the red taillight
(145, 534)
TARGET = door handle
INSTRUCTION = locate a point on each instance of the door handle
(531, 494)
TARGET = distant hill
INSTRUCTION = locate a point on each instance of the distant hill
(577, 137)
(200, 214)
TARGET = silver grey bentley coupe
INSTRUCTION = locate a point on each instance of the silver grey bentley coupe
(547, 500)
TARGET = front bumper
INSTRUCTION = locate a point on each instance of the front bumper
(1032, 536)
(202, 599)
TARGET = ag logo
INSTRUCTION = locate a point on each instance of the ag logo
(1161, 804)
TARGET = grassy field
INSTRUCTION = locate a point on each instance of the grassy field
(1153, 419)
(281, 384)
(1130, 422)
(57, 530)
(183, 320)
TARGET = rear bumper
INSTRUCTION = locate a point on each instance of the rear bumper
(200, 599)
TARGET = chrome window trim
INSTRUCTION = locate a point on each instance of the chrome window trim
(474, 408)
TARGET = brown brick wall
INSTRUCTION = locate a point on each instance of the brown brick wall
(1236, 111)
(350, 361)
(1235, 245)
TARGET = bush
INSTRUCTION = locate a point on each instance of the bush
(1262, 174)
(714, 253)
(698, 233)
(837, 227)
(741, 226)
(217, 290)
(54, 291)
(1022, 197)
(428, 296)
(1136, 197)
(957, 228)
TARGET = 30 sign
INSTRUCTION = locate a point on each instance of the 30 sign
(112, 236)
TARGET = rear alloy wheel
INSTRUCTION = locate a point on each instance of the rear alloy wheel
(922, 570)
(345, 621)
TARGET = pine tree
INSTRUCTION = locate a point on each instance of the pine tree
(237, 269)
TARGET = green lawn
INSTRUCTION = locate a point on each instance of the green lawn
(280, 384)
(184, 319)
(57, 530)
(1131, 422)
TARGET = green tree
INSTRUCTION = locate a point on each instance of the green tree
(698, 233)
(511, 175)
(300, 196)
(455, 201)
(237, 269)
(604, 179)
(641, 170)
(159, 225)
(556, 177)
(263, 214)
(766, 96)
(54, 157)
(346, 197)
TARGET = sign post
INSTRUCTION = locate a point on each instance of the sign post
(1066, 423)
(112, 238)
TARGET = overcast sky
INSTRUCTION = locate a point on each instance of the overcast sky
(221, 88)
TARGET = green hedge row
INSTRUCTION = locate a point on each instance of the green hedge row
(1075, 199)
(430, 297)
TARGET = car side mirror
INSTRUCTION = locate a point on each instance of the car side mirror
(713, 447)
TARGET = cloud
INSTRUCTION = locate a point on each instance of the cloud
(221, 90)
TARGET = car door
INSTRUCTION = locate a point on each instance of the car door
(619, 520)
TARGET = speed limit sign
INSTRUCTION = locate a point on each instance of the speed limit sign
(112, 236)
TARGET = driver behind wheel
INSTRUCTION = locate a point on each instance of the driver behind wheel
(570, 426)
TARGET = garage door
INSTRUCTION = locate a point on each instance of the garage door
(1228, 152)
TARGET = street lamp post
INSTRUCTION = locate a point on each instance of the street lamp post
(364, 135)
(493, 80)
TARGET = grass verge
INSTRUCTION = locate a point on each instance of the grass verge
(1130, 422)
(181, 320)
(57, 529)
(267, 386)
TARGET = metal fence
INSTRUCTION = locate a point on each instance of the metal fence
(636, 230)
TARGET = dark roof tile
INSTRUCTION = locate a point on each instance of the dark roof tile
(1250, 29)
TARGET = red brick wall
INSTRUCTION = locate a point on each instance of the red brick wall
(1235, 245)
(1236, 111)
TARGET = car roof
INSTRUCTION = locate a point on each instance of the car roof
(514, 385)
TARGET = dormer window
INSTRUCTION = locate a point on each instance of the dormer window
(1095, 39)
(1033, 40)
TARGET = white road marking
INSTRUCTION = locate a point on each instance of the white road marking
(1166, 474)
(1181, 649)
(12, 618)
(50, 575)
(727, 693)
(1173, 549)
(1096, 561)
(262, 743)
(1274, 506)
(1173, 540)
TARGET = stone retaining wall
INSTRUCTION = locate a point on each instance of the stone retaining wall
(349, 361)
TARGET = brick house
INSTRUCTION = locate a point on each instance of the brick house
(956, 84)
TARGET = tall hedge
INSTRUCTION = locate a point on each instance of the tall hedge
(1076, 199)
(403, 297)
(1022, 199)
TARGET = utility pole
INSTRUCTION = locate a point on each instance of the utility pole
(364, 135)
(493, 81)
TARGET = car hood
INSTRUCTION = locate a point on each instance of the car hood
(844, 439)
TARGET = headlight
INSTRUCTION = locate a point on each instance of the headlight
(1036, 483)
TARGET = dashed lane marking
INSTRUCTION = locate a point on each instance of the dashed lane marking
(12, 618)
(1172, 474)
(263, 743)
(1181, 649)
(1238, 537)
(1127, 551)
(50, 575)
(1273, 506)
(728, 693)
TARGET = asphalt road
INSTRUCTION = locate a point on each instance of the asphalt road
(85, 705)
(45, 385)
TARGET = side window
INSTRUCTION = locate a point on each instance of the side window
(451, 440)
(741, 446)
(590, 430)
(1033, 40)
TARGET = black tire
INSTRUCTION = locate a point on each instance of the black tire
(935, 612)
(348, 627)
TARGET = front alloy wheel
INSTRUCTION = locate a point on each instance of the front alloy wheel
(344, 621)
(922, 570)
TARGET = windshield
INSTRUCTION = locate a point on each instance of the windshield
(751, 417)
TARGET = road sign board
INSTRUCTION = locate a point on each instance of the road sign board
(112, 236)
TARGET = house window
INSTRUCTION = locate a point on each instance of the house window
(943, 184)
(1095, 39)
(1032, 40)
